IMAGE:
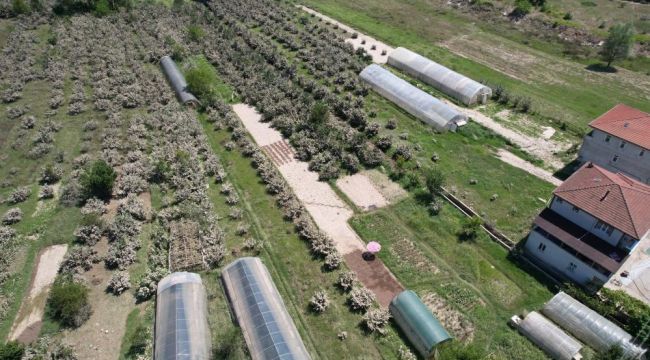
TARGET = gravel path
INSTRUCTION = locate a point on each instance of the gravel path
(329, 211)
(512, 159)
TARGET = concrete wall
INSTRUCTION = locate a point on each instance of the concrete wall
(584, 220)
(559, 260)
(596, 149)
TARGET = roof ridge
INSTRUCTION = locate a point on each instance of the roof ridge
(646, 115)
(629, 213)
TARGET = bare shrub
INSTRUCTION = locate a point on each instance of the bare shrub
(319, 302)
(347, 280)
(361, 299)
(46, 192)
(119, 283)
(88, 234)
(12, 216)
(94, 206)
(19, 195)
(375, 320)
(333, 261)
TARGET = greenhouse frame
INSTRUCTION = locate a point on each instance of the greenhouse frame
(549, 337)
(588, 326)
(415, 101)
(182, 331)
(456, 85)
(268, 329)
(177, 82)
(417, 322)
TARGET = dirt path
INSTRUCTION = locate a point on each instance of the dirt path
(512, 159)
(330, 212)
(28, 321)
(379, 53)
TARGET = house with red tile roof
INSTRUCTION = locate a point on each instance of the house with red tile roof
(619, 141)
(592, 224)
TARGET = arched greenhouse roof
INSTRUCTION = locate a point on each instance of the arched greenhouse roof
(550, 338)
(442, 78)
(177, 81)
(588, 326)
(418, 323)
(181, 319)
(268, 329)
(415, 101)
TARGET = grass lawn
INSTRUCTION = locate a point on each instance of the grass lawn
(560, 88)
(296, 275)
(476, 278)
(469, 155)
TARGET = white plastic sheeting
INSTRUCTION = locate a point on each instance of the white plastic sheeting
(177, 81)
(550, 338)
(588, 326)
(415, 101)
(182, 330)
(444, 79)
(268, 329)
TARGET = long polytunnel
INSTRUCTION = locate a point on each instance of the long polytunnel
(182, 331)
(177, 81)
(444, 79)
(268, 329)
(588, 326)
(415, 101)
(417, 322)
(550, 338)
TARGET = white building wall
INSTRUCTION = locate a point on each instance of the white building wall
(584, 220)
(632, 160)
(560, 260)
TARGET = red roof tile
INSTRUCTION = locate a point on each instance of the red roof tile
(627, 123)
(613, 198)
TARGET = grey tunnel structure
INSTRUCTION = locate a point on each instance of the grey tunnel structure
(182, 331)
(415, 101)
(177, 81)
(456, 85)
(268, 329)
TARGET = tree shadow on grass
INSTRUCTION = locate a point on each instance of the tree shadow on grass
(601, 68)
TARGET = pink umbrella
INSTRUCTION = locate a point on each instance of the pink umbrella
(373, 247)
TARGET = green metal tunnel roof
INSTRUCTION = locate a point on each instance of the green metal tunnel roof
(417, 322)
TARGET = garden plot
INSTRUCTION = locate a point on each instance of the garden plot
(375, 48)
(29, 319)
(362, 191)
(454, 321)
(329, 212)
(185, 247)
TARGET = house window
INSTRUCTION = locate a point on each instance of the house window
(572, 267)
(622, 144)
(599, 224)
(615, 159)
(576, 209)
(607, 138)
(541, 247)
(642, 153)
(610, 230)
(559, 201)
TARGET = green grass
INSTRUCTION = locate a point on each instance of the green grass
(570, 95)
(466, 155)
(137, 320)
(294, 272)
(476, 278)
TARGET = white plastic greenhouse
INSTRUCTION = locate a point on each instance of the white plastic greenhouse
(444, 79)
(177, 81)
(415, 101)
(588, 326)
(268, 329)
(181, 319)
(550, 338)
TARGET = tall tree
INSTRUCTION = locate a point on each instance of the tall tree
(618, 44)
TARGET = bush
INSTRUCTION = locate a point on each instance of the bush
(471, 227)
(522, 8)
(434, 180)
(201, 78)
(319, 302)
(376, 320)
(102, 8)
(68, 303)
(195, 32)
(361, 299)
(346, 280)
(19, 7)
(12, 216)
(98, 180)
(119, 283)
(12, 350)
